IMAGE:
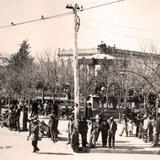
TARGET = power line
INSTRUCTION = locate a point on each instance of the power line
(124, 35)
(100, 5)
(121, 26)
(57, 15)
(91, 3)
(39, 19)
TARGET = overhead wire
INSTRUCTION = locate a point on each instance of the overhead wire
(91, 3)
(100, 5)
(42, 18)
(36, 20)
(121, 26)
(113, 32)
(56, 15)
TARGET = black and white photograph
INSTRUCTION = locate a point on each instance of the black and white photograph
(79, 79)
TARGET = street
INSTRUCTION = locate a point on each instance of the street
(15, 146)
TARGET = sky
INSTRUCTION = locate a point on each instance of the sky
(131, 24)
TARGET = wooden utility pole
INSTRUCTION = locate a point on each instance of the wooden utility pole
(75, 8)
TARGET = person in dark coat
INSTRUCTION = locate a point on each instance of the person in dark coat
(25, 116)
(75, 140)
(112, 132)
(104, 131)
(56, 112)
(83, 129)
(88, 111)
(34, 109)
(56, 108)
(17, 117)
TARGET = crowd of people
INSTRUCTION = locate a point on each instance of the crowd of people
(90, 124)
(146, 123)
(28, 114)
(140, 123)
(11, 114)
(94, 124)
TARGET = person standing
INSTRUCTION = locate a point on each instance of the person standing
(157, 130)
(125, 126)
(70, 128)
(17, 117)
(40, 108)
(104, 132)
(25, 116)
(56, 112)
(75, 140)
(67, 112)
(150, 128)
(94, 132)
(52, 127)
(83, 129)
(14, 118)
(10, 118)
(48, 109)
(88, 111)
(34, 109)
(112, 132)
(138, 123)
(35, 135)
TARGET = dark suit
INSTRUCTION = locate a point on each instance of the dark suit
(111, 133)
(88, 113)
(104, 127)
(83, 129)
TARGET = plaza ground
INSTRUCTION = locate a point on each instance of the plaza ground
(14, 146)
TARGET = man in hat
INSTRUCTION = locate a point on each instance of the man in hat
(112, 132)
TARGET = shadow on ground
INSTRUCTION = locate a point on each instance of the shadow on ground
(54, 153)
(127, 148)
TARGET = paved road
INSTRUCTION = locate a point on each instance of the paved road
(14, 146)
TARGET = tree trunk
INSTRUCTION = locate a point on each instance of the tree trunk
(43, 90)
(119, 110)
